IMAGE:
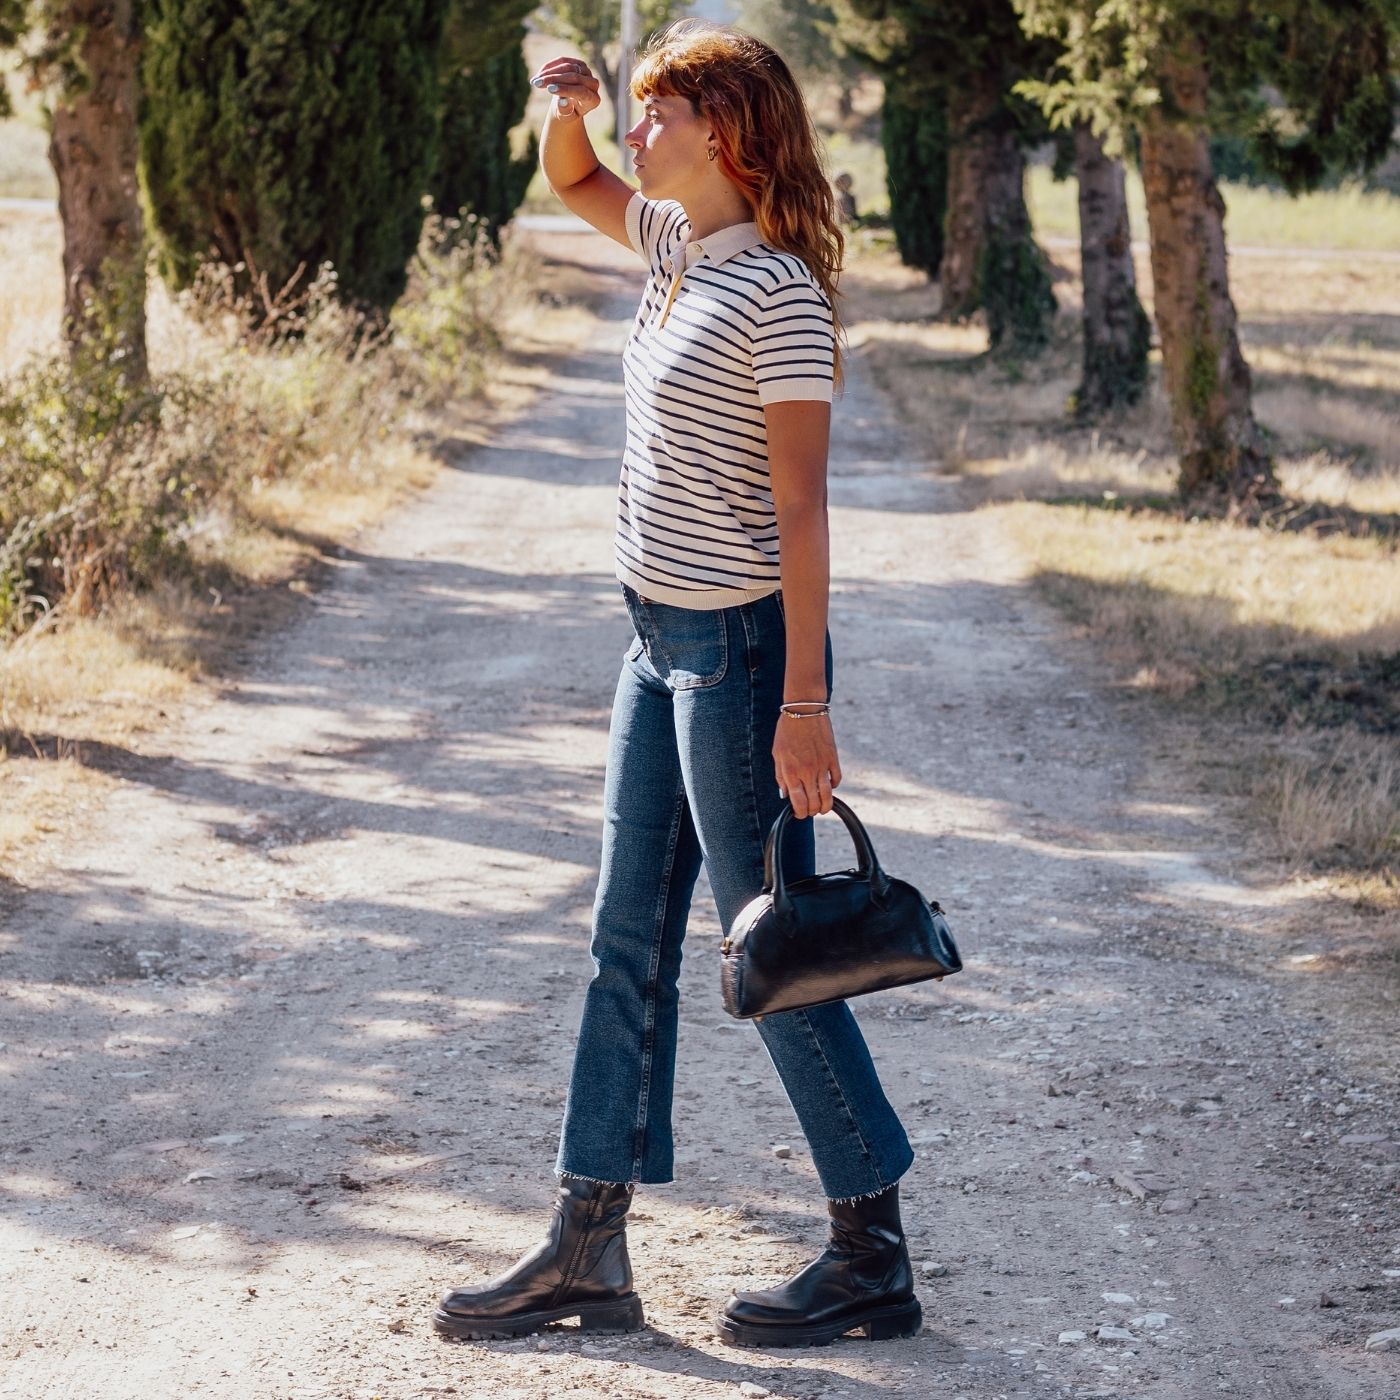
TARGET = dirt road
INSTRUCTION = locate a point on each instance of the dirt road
(286, 1035)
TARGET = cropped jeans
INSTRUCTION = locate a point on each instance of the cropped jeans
(690, 779)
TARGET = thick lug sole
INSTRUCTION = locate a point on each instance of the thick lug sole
(878, 1324)
(608, 1315)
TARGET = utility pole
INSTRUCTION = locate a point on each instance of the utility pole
(622, 101)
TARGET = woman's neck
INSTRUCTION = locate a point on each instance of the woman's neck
(709, 211)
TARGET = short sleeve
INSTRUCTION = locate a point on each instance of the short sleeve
(794, 342)
(654, 227)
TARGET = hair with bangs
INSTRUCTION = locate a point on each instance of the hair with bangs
(767, 144)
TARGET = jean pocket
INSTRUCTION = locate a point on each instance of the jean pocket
(691, 645)
(633, 651)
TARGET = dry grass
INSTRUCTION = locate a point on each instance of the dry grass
(31, 254)
(25, 172)
(1340, 797)
(1222, 597)
(91, 684)
(1290, 642)
(1349, 217)
(74, 689)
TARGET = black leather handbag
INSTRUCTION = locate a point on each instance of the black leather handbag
(828, 937)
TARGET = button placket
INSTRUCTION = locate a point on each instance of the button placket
(677, 279)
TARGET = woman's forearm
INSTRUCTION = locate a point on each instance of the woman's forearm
(566, 153)
(804, 552)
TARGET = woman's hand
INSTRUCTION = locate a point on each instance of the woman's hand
(571, 82)
(804, 755)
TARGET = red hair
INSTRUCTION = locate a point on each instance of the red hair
(767, 143)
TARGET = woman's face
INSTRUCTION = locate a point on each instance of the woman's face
(668, 144)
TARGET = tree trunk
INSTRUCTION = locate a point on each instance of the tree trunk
(990, 259)
(1224, 465)
(972, 149)
(92, 146)
(1116, 330)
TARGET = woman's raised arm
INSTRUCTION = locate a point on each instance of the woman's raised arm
(567, 158)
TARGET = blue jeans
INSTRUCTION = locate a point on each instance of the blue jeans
(690, 778)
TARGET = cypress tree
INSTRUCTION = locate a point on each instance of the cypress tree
(485, 87)
(972, 52)
(913, 129)
(281, 134)
(914, 133)
(805, 33)
(13, 22)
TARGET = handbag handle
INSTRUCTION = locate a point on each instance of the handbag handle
(870, 867)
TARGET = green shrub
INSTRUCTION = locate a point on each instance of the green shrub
(105, 489)
(97, 485)
(445, 328)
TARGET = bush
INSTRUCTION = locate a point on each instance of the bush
(105, 489)
(445, 329)
(97, 485)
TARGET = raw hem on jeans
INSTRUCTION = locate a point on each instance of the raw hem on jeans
(600, 1181)
(864, 1196)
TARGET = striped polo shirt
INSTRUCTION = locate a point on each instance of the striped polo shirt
(726, 325)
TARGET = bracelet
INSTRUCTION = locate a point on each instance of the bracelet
(823, 709)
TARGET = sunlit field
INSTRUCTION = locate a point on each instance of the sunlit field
(1292, 639)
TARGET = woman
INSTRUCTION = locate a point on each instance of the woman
(721, 711)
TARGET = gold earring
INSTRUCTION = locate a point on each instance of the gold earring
(711, 153)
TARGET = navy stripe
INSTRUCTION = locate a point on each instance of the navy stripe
(668, 581)
(633, 480)
(680, 313)
(659, 410)
(694, 374)
(741, 574)
(647, 528)
(785, 320)
(655, 408)
(671, 420)
(685, 339)
(672, 467)
(780, 378)
(636, 480)
(694, 571)
(675, 447)
(672, 530)
(633, 492)
(650, 540)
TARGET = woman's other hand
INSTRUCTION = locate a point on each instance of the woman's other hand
(804, 755)
(571, 83)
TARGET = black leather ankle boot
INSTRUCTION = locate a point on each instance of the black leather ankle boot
(580, 1269)
(862, 1279)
